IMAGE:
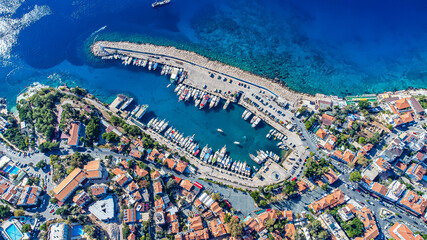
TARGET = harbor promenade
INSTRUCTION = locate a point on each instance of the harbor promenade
(204, 170)
(196, 64)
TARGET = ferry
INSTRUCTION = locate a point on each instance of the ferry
(135, 110)
(141, 112)
(126, 104)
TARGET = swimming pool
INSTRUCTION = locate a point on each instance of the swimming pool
(7, 168)
(13, 232)
(14, 170)
(78, 231)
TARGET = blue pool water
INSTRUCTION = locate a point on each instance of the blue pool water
(77, 231)
(13, 232)
(14, 170)
(7, 168)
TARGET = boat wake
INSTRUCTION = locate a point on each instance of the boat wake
(97, 31)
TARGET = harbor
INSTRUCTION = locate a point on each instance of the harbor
(205, 89)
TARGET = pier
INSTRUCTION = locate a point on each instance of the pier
(264, 98)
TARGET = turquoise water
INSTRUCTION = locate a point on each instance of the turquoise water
(149, 87)
(13, 232)
(14, 170)
(77, 231)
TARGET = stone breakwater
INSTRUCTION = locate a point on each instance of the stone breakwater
(194, 58)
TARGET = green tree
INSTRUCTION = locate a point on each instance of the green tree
(363, 105)
(26, 228)
(19, 213)
(235, 226)
(92, 130)
(362, 160)
(355, 176)
(41, 164)
(262, 203)
(362, 140)
(5, 212)
(111, 137)
(325, 187)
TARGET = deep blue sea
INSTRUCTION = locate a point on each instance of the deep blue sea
(340, 47)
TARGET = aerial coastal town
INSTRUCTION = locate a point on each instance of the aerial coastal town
(74, 167)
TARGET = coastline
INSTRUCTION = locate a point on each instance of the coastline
(275, 86)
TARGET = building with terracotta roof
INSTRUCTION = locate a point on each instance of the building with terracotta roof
(251, 224)
(122, 179)
(135, 153)
(402, 104)
(217, 228)
(202, 234)
(337, 155)
(140, 171)
(327, 119)
(130, 216)
(195, 223)
(379, 189)
(99, 190)
(170, 163)
(288, 215)
(302, 186)
(265, 216)
(155, 175)
(132, 236)
(382, 165)
(81, 199)
(336, 198)
(330, 176)
(181, 166)
(321, 133)
(324, 104)
(69, 185)
(29, 196)
(400, 166)
(290, 231)
(12, 194)
(416, 172)
(158, 188)
(400, 231)
(347, 212)
(132, 187)
(94, 169)
(349, 156)
(75, 134)
(413, 203)
(186, 184)
(370, 228)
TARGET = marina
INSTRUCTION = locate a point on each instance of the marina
(203, 100)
